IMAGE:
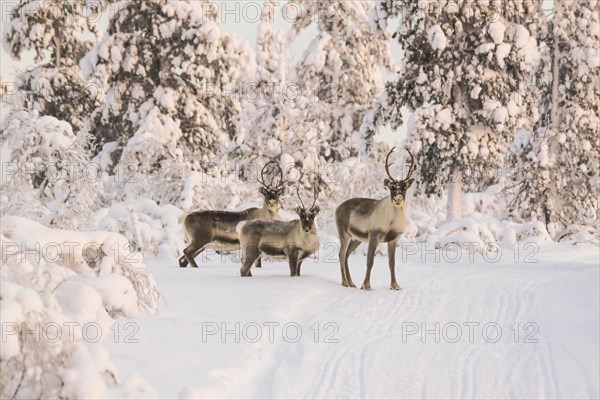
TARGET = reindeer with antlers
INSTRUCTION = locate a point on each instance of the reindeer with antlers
(296, 240)
(219, 227)
(373, 222)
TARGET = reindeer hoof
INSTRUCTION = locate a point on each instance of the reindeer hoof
(366, 286)
(348, 284)
(395, 286)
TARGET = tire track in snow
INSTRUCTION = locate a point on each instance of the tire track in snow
(379, 325)
(350, 368)
(279, 354)
(474, 359)
(354, 350)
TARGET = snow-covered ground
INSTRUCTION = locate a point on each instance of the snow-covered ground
(515, 328)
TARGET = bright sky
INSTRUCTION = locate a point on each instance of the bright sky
(239, 17)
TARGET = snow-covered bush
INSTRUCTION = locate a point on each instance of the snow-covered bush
(483, 231)
(47, 175)
(93, 256)
(59, 293)
(149, 227)
(484, 220)
(39, 358)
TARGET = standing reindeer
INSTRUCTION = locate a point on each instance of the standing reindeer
(218, 227)
(295, 239)
(373, 222)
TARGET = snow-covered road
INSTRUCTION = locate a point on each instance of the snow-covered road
(477, 329)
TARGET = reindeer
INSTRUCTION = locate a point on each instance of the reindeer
(296, 240)
(218, 227)
(373, 222)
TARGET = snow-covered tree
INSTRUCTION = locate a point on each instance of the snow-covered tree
(339, 73)
(560, 180)
(60, 32)
(528, 189)
(167, 67)
(307, 116)
(265, 102)
(466, 78)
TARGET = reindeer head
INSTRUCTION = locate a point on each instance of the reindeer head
(272, 191)
(398, 188)
(307, 217)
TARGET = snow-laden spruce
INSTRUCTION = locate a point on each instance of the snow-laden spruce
(466, 105)
(60, 33)
(340, 71)
(166, 67)
(562, 159)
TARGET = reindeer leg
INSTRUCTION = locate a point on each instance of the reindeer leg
(189, 253)
(370, 256)
(353, 245)
(392, 258)
(251, 253)
(343, 256)
(298, 267)
(183, 262)
(293, 260)
(258, 263)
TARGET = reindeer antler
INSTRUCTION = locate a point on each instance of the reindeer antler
(262, 174)
(387, 166)
(261, 180)
(298, 193)
(316, 194)
(281, 180)
(412, 164)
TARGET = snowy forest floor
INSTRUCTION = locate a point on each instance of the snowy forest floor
(506, 329)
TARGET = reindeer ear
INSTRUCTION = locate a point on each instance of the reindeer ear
(316, 210)
(387, 182)
(281, 190)
(298, 210)
(262, 190)
(409, 182)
